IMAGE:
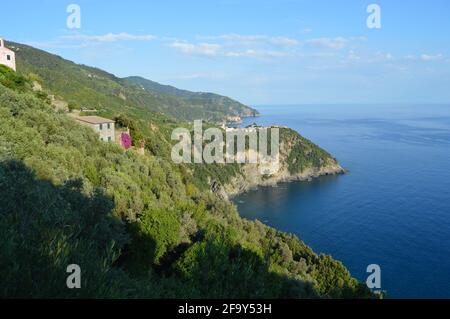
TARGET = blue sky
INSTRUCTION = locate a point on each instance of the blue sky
(259, 52)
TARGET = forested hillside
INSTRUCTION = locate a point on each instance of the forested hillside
(138, 225)
(91, 88)
(210, 101)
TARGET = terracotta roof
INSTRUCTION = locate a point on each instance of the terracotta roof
(94, 119)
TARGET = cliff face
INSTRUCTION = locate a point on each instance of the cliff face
(300, 160)
(251, 177)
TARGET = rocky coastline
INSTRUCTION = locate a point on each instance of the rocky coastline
(250, 179)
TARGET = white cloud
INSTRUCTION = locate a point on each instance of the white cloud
(234, 45)
(352, 55)
(220, 50)
(380, 57)
(424, 57)
(256, 54)
(330, 43)
(430, 57)
(205, 49)
(238, 39)
(81, 41)
(109, 37)
(335, 43)
(284, 41)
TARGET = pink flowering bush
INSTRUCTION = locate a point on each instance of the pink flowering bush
(125, 140)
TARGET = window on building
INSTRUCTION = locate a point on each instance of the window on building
(8, 57)
(101, 127)
(109, 126)
(109, 138)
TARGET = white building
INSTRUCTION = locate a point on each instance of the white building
(104, 127)
(7, 56)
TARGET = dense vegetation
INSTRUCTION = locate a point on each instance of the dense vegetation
(138, 225)
(212, 102)
(304, 154)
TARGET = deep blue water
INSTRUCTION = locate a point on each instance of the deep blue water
(391, 209)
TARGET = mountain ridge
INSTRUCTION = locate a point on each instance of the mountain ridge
(121, 92)
(208, 98)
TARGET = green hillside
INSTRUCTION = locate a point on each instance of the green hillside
(91, 88)
(209, 101)
(138, 225)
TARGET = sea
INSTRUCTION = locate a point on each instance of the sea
(391, 209)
